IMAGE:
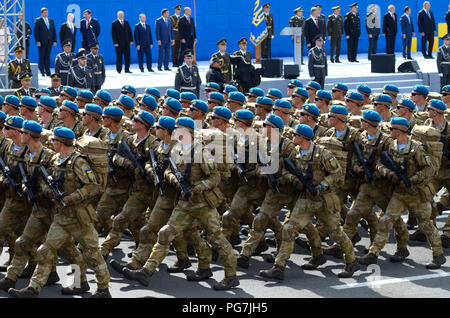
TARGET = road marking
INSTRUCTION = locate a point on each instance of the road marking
(390, 281)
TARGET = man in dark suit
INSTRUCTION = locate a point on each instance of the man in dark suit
(165, 37)
(144, 42)
(407, 32)
(313, 27)
(45, 36)
(122, 39)
(90, 30)
(427, 29)
(390, 29)
(186, 30)
(68, 32)
(352, 28)
(26, 40)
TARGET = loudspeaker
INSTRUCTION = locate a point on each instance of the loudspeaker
(382, 63)
(272, 67)
(291, 71)
(409, 67)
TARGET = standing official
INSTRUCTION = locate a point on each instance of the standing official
(176, 46)
(298, 21)
(427, 29)
(352, 27)
(123, 39)
(165, 37)
(64, 61)
(45, 36)
(144, 43)
(443, 60)
(90, 30)
(373, 29)
(96, 62)
(18, 67)
(407, 27)
(335, 28)
(317, 62)
(81, 75)
(68, 32)
(313, 27)
(224, 60)
(266, 45)
(187, 78)
(26, 40)
(390, 29)
(186, 30)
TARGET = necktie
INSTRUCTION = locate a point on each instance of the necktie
(71, 27)
(189, 20)
(46, 23)
(428, 14)
(393, 17)
(317, 23)
(87, 25)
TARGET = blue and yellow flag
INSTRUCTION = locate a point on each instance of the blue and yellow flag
(259, 28)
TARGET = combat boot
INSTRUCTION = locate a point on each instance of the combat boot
(364, 224)
(235, 240)
(27, 272)
(436, 262)
(356, 238)
(369, 258)
(190, 250)
(118, 266)
(411, 223)
(440, 208)
(276, 272)
(271, 257)
(215, 255)
(245, 231)
(445, 241)
(333, 250)
(418, 236)
(349, 270)
(6, 284)
(227, 283)
(302, 243)
(4, 267)
(101, 293)
(262, 247)
(52, 279)
(243, 261)
(142, 275)
(199, 274)
(400, 255)
(314, 262)
(27, 292)
(179, 266)
(271, 241)
(72, 290)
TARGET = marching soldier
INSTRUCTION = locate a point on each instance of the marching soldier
(176, 47)
(47, 113)
(92, 117)
(97, 64)
(266, 46)
(317, 62)
(18, 67)
(67, 114)
(443, 60)
(187, 78)
(352, 27)
(298, 21)
(102, 98)
(56, 88)
(224, 60)
(64, 62)
(335, 29)
(26, 89)
(81, 76)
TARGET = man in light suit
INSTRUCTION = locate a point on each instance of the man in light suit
(144, 42)
(390, 29)
(407, 26)
(165, 38)
(45, 36)
(90, 30)
(427, 29)
(122, 38)
(186, 30)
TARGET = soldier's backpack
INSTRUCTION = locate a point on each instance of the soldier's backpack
(95, 151)
(336, 147)
(429, 137)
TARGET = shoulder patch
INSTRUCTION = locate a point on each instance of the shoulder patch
(427, 159)
(333, 162)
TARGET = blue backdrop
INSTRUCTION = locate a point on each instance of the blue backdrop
(229, 19)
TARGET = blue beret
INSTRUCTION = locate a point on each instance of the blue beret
(363, 88)
(94, 108)
(126, 101)
(383, 99)
(264, 101)
(244, 114)
(2, 115)
(305, 131)
(185, 122)
(223, 112)
(12, 100)
(2, 100)
(14, 121)
(70, 91)
(237, 97)
(64, 132)
(300, 91)
(174, 104)
(171, 92)
(149, 101)
(311, 109)
(421, 89)
(130, 89)
(146, 117)
(338, 109)
(113, 111)
(71, 105)
(295, 83)
(217, 96)
(282, 103)
(400, 121)
(28, 101)
(314, 84)
(391, 88)
(275, 93)
(256, 91)
(324, 94)
(406, 102)
(230, 88)
(275, 120)
(48, 101)
(33, 126)
(355, 96)
(86, 94)
(340, 86)
(40, 91)
(438, 105)
(445, 89)
(201, 105)
(105, 95)
(188, 96)
(153, 91)
(212, 85)
(371, 115)
(167, 122)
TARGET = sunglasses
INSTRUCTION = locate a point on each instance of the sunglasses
(214, 118)
(106, 117)
(23, 132)
(331, 116)
(193, 109)
(159, 127)
(63, 110)
(391, 128)
(138, 121)
(414, 94)
(84, 114)
(317, 99)
(8, 128)
(210, 102)
(334, 90)
(309, 89)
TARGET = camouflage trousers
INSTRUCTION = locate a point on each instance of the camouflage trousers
(60, 234)
(327, 212)
(131, 217)
(181, 219)
(34, 233)
(110, 204)
(422, 210)
(438, 183)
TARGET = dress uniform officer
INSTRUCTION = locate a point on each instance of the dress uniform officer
(243, 51)
(266, 46)
(443, 60)
(298, 21)
(187, 78)
(25, 90)
(317, 62)
(97, 64)
(56, 87)
(335, 29)
(18, 67)
(224, 59)
(352, 28)
(81, 76)
(64, 62)
(176, 47)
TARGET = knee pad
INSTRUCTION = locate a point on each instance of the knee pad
(288, 232)
(23, 245)
(228, 219)
(44, 254)
(385, 223)
(120, 223)
(165, 235)
(260, 222)
(90, 256)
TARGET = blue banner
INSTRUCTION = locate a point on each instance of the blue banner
(259, 28)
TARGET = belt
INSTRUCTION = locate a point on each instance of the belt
(225, 71)
(320, 66)
(63, 71)
(445, 62)
(98, 73)
(175, 30)
(188, 88)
